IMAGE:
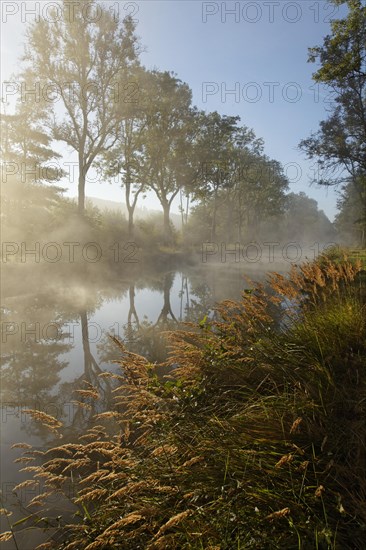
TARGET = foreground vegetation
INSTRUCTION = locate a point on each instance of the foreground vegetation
(257, 439)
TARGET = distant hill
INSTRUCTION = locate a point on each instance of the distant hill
(104, 204)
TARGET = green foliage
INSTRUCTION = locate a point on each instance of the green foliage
(339, 145)
(26, 145)
(167, 145)
(351, 218)
(343, 53)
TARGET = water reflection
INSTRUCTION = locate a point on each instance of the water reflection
(59, 336)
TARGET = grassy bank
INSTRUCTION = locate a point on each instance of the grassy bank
(257, 440)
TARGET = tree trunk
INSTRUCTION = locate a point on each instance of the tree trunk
(213, 226)
(81, 193)
(229, 220)
(130, 204)
(167, 226)
(131, 226)
(187, 209)
(240, 227)
(181, 208)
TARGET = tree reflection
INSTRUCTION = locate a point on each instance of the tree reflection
(33, 348)
(82, 415)
(167, 308)
(145, 336)
(35, 367)
(33, 343)
(37, 341)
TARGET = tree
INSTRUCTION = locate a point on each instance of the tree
(303, 221)
(350, 220)
(215, 146)
(26, 145)
(83, 59)
(169, 136)
(258, 194)
(340, 143)
(238, 185)
(126, 158)
(220, 143)
(29, 164)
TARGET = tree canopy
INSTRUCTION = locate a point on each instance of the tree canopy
(340, 143)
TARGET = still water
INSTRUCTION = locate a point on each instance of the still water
(55, 336)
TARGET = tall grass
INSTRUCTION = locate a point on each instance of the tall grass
(257, 440)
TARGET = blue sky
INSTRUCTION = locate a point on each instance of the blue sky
(256, 49)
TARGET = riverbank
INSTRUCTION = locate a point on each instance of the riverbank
(257, 439)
